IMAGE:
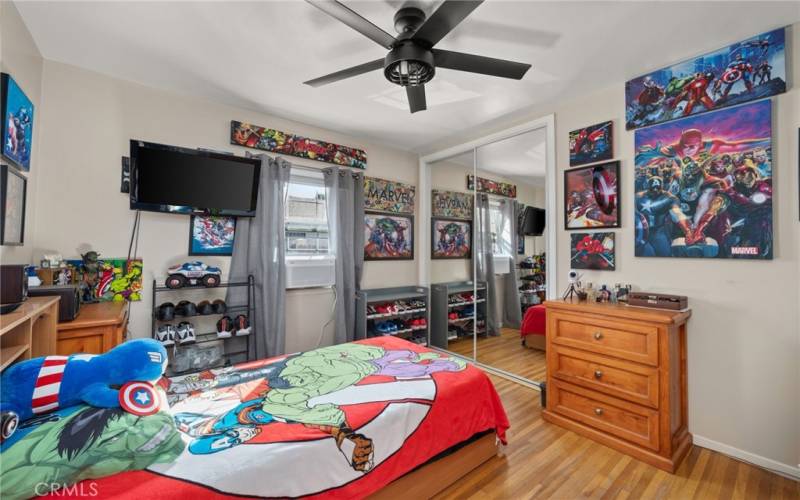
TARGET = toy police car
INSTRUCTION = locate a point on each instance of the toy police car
(193, 273)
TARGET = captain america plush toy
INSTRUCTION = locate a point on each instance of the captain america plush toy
(121, 377)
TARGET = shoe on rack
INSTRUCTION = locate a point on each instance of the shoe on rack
(219, 306)
(225, 327)
(242, 325)
(185, 333)
(453, 315)
(166, 335)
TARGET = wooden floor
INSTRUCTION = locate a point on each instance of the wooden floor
(543, 460)
(507, 353)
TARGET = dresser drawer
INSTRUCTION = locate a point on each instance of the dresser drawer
(628, 421)
(626, 340)
(611, 376)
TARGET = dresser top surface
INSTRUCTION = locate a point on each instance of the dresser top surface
(622, 311)
(97, 314)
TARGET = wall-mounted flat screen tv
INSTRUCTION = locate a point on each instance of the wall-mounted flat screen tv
(180, 180)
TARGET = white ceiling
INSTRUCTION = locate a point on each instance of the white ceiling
(256, 54)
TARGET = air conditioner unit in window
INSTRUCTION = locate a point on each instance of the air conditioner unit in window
(307, 272)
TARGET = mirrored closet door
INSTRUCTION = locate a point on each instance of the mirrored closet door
(509, 250)
(450, 267)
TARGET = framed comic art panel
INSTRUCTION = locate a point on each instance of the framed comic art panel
(591, 197)
(388, 236)
(451, 239)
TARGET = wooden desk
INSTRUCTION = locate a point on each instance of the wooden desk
(30, 331)
(98, 328)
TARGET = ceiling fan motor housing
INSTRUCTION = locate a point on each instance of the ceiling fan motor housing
(409, 64)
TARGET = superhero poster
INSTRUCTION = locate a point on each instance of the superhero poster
(704, 185)
(591, 144)
(451, 239)
(211, 235)
(742, 72)
(591, 197)
(17, 124)
(275, 141)
(388, 237)
(593, 251)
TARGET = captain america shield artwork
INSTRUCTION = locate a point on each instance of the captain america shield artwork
(139, 398)
(591, 197)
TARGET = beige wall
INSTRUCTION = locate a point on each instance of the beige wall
(86, 127)
(744, 334)
(20, 58)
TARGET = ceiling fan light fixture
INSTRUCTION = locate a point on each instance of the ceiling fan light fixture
(409, 65)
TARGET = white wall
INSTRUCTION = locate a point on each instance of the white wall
(744, 334)
(20, 58)
(85, 127)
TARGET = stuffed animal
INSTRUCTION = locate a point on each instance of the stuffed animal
(42, 385)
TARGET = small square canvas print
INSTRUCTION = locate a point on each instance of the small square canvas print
(591, 197)
(593, 251)
(451, 239)
(388, 237)
(745, 71)
(211, 235)
(591, 144)
(17, 124)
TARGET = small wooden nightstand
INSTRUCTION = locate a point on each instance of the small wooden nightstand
(617, 374)
(98, 328)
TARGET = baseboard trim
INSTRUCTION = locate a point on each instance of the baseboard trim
(745, 456)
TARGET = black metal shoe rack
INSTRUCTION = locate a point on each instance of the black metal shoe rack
(207, 337)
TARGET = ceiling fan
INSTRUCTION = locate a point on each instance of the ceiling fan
(412, 59)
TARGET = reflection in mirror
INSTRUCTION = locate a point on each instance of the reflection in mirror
(452, 312)
(509, 251)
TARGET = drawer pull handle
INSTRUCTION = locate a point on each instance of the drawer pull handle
(598, 335)
(598, 374)
(598, 411)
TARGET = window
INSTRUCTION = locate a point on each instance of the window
(501, 237)
(306, 217)
(309, 259)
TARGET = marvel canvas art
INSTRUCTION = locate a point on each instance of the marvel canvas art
(452, 204)
(704, 185)
(742, 72)
(451, 239)
(592, 251)
(388, 196)
(591, 144)
(211, 235)
(17, 125)
(591, 197)
(275, 141)
(388, 237)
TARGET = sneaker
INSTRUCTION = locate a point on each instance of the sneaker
(166, 335)
(242, 325)
(225, 327)
(453, 315)
(371, 310)
(384, 328)
(185, 333)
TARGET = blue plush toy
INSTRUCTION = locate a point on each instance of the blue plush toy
(46, 384)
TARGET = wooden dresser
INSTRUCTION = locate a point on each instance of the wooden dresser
(617, 374)
(29, 332)
(98, 328)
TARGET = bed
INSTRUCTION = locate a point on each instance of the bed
(341, 422)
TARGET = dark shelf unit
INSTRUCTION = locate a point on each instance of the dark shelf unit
(365, 323)
(208, 337)
(441, 307)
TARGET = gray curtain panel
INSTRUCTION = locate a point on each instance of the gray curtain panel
(345, 201)
(260, 249)
(512, 311)
(484, 261)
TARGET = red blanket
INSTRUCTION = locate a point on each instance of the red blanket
(336, 422)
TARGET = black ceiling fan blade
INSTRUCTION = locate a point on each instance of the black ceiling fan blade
(446, 17)
(479, 64)
(349, 17)
(346, 73)
(416, 98)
